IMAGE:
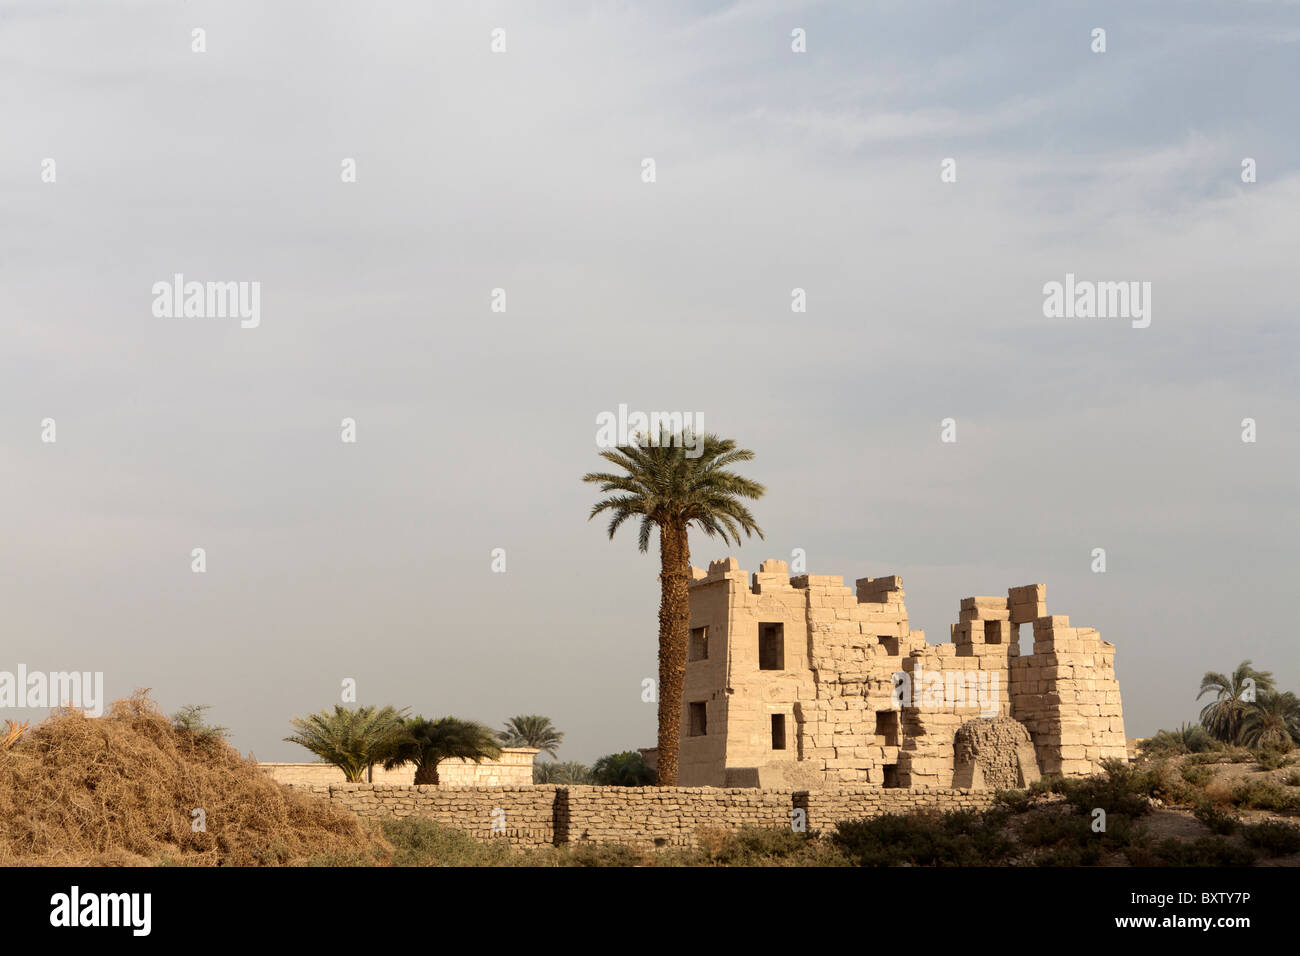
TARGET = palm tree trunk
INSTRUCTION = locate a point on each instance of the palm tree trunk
(427, 773)
(674, 624)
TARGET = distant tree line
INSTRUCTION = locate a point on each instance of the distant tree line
(358, 739)
(1245, 709)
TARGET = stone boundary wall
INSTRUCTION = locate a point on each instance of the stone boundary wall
(513, 768)
(828, 807)
(546, 815)
(668, 816)
(526, 814)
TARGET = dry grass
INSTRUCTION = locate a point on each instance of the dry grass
(12, 732)
(120, 790)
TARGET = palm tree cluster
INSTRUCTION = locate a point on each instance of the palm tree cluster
(1247, 710)
(356, 740)
(626, 769)
(569, 773)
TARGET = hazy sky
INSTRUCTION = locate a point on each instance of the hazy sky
(522, 170)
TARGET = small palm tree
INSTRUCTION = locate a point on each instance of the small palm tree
(352, 740)
(1224, 716)
(1187, 739)
(673, 484)
(1272, 721)
(190, 722)
(426, 743)
(531, 730)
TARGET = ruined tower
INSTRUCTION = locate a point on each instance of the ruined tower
(801, 682)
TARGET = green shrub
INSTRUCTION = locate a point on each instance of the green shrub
(1271, 758)
(418, 841)
(1045, 786)
(1187, 739)
(1198, 775)
(1204, 851)
(1122, 790)
(750, 844)
(1017, 801)
(1219, 821)
(1292, 779)
(1273, 837)
(1064, 838)
(1086, 854)
(604, 854)
(960, 838)
(188, 722)
(1264, 795)
(1054, 829)
(1223, 755)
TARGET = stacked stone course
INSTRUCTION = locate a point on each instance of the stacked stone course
(829, 713)
(669, 816)
(638, 816)
(513, 768)
(524, 816)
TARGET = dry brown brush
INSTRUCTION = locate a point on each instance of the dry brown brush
(122, 789)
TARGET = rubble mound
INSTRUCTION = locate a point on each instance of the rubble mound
(995, 753)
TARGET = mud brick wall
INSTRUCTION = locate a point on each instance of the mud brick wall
(671, 816)
(639, 816)
(525, 815)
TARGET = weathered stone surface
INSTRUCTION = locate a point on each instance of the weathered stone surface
(638, 816)
(987, 752)
(799, 683)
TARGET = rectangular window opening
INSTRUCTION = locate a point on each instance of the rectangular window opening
(699, 646)
(771, 647)
(778, 731)
(887, 727)
(699, 725)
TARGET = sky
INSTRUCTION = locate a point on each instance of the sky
(524, 170)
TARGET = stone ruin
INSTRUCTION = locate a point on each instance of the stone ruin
(995, 753)
(801, 683)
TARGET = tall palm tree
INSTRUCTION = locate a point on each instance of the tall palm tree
(1272, 721)
(1224, 716)
(352, 740)
(667, 488)
(531, 730)
(428, 742)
